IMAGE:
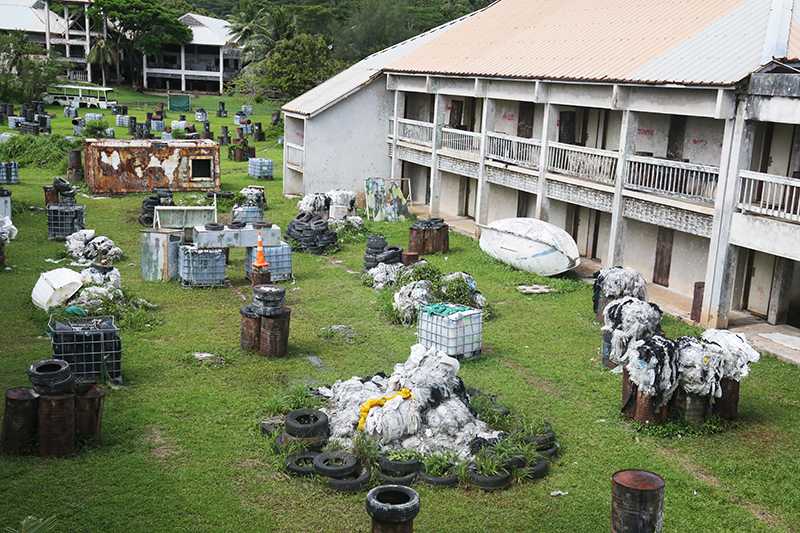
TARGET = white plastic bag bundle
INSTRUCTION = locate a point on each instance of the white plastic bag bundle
(342, 197)
(629, 319)
(384, 274)
(347, 397)
(738, 352)
(253, 196)
(653, 367)
(76, 242)
(313, 203)
(7, 230)
(622, 281)
(410, 297)
(699, 366)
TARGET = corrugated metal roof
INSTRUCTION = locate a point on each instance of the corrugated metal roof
(210, 31)
(347, 82)
(661, 41)
(24, 15)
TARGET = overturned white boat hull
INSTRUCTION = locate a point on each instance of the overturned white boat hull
(530, 244)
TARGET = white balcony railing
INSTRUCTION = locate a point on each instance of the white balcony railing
(461, 141)
(415, 131)
(766, 194)
(686, 180)
(515, 150)
(581, 162)
(295, 155)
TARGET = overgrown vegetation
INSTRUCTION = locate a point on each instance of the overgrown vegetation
(95, 129)
(46, 152)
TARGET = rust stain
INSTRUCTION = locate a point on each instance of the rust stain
(119, 166)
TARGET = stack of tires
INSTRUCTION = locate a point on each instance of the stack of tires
(310, 232)
(268, 301)
(162, 197)
(380, 252)
(393, 472)
(307, 427)
(51, 377)
(343, 471)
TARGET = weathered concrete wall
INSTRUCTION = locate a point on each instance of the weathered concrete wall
(502, 202)
(347, 143)
(760, 283)
(419, 181)
(506, 117)
(689, 259)
(652, 134)
(640, 247)
(451, 184)
(120, 166)
(418, 107)
(749, 231)
(703, 141)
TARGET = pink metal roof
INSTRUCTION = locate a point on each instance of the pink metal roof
(715, 42)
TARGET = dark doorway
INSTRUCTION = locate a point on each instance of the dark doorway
(663, 256)
(525, 124)
(456, 113)
(523, 201)
(566, 127)
(677, 136)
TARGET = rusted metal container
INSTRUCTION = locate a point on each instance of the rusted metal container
(118, 166)
(260, 276)
(605, 350)
(727, 406)
(692, 407)
(251, 329)
(602, 302)
(646, 413)
(275, 334)
(637, 502)
(629, 394)
(429, 241)
(74, 159)
(89, 402)
(409, 258)
(158, 251)
(20, 419)
(56, 425)
(50, 195)
(239, 153)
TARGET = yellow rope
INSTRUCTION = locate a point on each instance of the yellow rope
(369, 404)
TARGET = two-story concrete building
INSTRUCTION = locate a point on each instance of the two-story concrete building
(661, 135)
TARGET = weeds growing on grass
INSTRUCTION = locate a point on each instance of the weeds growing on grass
(678, 428)
(49, 152)
(283, 402)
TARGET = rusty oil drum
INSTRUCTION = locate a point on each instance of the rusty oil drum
(629, 394)
(605, 350)
(275, 334)
(646, 413)
(19, 420)
(56, 425)
(637, 502)
(727, 406)
(89, 402)
(250, 330)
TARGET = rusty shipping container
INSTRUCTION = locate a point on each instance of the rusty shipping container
(119, 166)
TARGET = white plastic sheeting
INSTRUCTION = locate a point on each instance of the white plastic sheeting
(410, 297)
(7, 230)
(318, 202)
(738, 354)
(653, 367)
(384, 274)
(629, 319)
(617, 282)
(253, 195)
(55, 287)
(700, 366)
(84, 246)
(433, 418)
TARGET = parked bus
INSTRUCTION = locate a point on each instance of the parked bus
(80, 96)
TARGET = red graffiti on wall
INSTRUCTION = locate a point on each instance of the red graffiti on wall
(701, 142)
(648, 133)
(508, 116)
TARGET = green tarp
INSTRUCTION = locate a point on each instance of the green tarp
(180, 102)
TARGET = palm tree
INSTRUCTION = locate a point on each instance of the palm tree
(102, 54)
(245, 21)
(277, 25)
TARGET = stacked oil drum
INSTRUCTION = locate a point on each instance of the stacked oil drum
(162, 197)
(265, 322)
(310, 232)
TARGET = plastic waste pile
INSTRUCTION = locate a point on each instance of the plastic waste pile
(737, 354)
(384, 274)
(424, 406)
(629, 319)
(83, 246)
(699, 366)
(653, 367)
(475, 296)
(408, 299)
(617, 282)
(319, 202)
(254, 196)
(7, 230)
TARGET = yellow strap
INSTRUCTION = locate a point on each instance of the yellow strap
(369, 404)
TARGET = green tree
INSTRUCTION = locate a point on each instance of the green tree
(181, 7)
(247, 19)
(277, 25)
(299, 64)
(26, 69)
(372, 25)
(141, 27)
(102, 53)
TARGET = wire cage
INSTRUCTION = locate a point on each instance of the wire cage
(91, 345)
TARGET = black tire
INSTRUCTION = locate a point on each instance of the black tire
(403, 467)
(352, 483)
(508, 462)
(447, 481)
(279, 445)
(303, 216)
(550, 452)
(48, 371)
(295, 468)
(61, 184)
(297, 427)
(248, 312)
(394, 248)
(392, 504)
(370, 258)
(267, 311)
(405, 480)
(269, 293)
(237, 224)
(262, 225)
(306, 443)
(323, 468)
(319, 225)
(213, 226)
(498, 482)
(537, 471)
(542, 442)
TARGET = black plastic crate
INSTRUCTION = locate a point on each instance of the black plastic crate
(64, 220)
(87, 344)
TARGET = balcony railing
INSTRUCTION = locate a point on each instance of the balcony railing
(515, 150)
(766, 194)
(294, 155)
(415, 131)
(461, 141)
(686, 180)
(581, 162)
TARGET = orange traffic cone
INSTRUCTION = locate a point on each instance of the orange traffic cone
(260, 260)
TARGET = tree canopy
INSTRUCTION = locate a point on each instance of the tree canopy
(26, 69)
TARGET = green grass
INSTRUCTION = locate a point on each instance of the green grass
(182, 447)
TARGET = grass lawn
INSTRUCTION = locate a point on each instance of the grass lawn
(182, 448)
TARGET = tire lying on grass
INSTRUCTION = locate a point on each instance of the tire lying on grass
(301, 464)
(335, 464)
(450, 480)
(392, 504)
(552, 451)
(501, 481)
(387, 478)
(354, 482)
(537, 471)
(306, 443)
(403, 467)
(306, 423)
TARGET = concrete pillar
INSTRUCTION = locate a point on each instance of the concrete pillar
(144, 70)
(781, 291)
(737, 150)
(487, 125)
(436, 174)
(221, 71)
(88, 41)
(183, 68)
(66, 28)
(47, 24)
(627, 146)
(399, 112)
(549, 133)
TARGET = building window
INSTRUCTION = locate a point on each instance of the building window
(201, 168)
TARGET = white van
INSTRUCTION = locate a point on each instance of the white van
(81, 96)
